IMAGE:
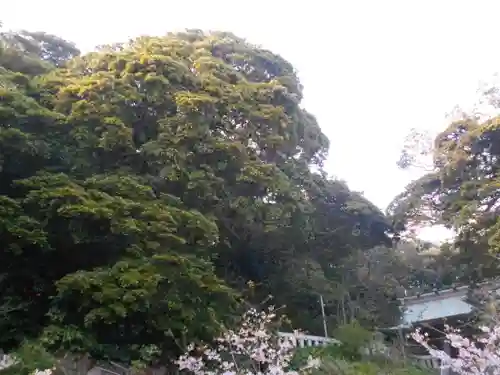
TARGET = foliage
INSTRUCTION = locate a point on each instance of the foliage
(34, 52)
(344, 367)
(428, 267)
(97, 257)
(334, 361)
(145, 184)
(302, 355)
(28, 360)
(461, 192)
(353, 338)
(251, 349)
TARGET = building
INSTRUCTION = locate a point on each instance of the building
(431, 312)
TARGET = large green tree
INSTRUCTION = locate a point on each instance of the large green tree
(144, 185)
(92, 254)
(460, 191)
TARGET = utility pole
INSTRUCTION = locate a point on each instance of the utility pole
(323, 314)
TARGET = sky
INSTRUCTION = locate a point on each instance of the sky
(372, 70)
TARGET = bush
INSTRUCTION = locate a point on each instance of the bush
(30, 359)
(345, 359)
(345, 367)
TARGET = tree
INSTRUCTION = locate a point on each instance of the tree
(145, 184)
(33, 53)
(461, 191)
(41, 45)
(103, 263)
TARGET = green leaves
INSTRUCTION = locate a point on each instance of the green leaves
(461, 193)
(118, 260)
(144, 184)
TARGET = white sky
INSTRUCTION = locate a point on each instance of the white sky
(372, 70)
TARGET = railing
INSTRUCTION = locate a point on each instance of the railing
(303, 341)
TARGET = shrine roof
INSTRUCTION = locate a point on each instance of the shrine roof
(438, 305)
(448, 306)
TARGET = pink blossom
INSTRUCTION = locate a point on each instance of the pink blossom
(478, 357)
(249, 350)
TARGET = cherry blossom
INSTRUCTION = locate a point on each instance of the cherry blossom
(249, 350)
(475, 357)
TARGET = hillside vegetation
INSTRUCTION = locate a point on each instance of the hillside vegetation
(151, 190)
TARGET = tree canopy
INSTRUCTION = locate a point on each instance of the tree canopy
(461, 192)
(150, 188)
